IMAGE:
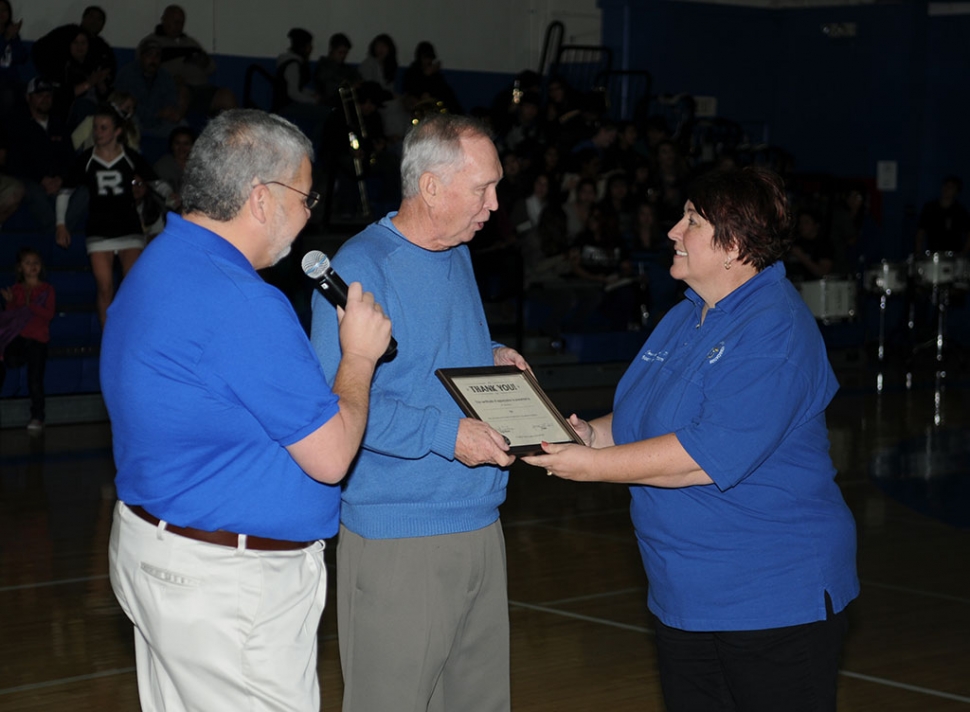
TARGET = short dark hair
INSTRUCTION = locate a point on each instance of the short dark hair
(748, 209)
(955, 180)
(90, 9)
(339, 39)
(299, 38)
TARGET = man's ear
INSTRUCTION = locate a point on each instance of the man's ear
(429, 186)
(258, 203)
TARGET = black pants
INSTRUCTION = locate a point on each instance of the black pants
(22, 351)
(793, 669)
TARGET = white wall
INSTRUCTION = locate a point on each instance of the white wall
(485, 35)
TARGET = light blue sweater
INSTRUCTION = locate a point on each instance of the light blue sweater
(406, 481)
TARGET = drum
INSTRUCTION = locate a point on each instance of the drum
(830, 299)
(936, 269)
(886, 277)
(961, 273)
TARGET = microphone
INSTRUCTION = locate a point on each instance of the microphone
(316, 266)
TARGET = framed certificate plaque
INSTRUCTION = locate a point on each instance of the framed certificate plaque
(510, 401)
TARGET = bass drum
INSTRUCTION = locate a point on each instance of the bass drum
(830, 299)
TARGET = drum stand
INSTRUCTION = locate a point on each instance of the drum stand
(940, 298)
(881, 350)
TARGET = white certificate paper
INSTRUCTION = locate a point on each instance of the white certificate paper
(510, 401)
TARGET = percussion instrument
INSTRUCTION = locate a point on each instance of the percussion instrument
(961, 273)
(936, 269)
(888, 277)
(830, 299)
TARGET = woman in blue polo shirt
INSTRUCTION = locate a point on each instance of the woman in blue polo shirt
(719, 427)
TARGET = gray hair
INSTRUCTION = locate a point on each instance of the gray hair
(238, 149)
(434, 145)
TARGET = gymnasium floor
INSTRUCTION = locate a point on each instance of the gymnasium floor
(581, 635)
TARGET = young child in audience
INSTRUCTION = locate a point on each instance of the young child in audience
(29, 301)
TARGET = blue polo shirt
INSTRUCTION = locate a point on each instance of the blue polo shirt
(208, 376)
(745, 393)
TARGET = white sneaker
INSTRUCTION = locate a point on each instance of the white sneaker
(35, 426)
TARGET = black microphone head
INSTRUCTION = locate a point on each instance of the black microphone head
(315, 264)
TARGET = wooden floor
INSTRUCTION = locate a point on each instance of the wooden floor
(581, 635)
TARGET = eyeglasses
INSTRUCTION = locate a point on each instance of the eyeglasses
(311, 199)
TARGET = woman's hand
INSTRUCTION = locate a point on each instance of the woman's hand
(62, 237)
(583, 429)
(568, 461)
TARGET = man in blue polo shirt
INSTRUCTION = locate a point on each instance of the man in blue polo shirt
(227, 438)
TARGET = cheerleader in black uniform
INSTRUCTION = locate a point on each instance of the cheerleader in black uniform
(108, 169)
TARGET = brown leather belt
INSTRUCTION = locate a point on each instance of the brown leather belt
(221, 538)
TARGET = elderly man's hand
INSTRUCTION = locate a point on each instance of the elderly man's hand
(480, 444)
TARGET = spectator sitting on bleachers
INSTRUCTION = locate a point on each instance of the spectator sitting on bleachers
(40, 156)
(190, 65)
(124, 103)
(380, 66)
(425, 86)
(11, 189)
(561, 112)
(598, 257)
(504, 112)
(670, 173)
(82, 82)
(294, 96)
(13, 54)
(578, 209)
(617, 202)
(626, 153)
(333, 71)
(51, 52)
(811, 255)
(292, 84)
(523, 129)
(171, 166)
(602, 138)
(526, 211)
(154, 89)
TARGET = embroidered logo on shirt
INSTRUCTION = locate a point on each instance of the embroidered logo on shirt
(714, 355)
(658, 356)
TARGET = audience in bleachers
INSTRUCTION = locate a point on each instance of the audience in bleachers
(944, 223)
(11, 189)
(332, 70)
(124, 103)
(812, 255)
(425, 87)
(171, 166)
(293, 72)
(80, 62)
(82, 82)
(190, 64)
(40, 155)
(13, 55)
(154, 89)
(52, 52)
(587, 197)
(381, 66)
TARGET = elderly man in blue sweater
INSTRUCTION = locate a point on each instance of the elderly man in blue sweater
(422, 602)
